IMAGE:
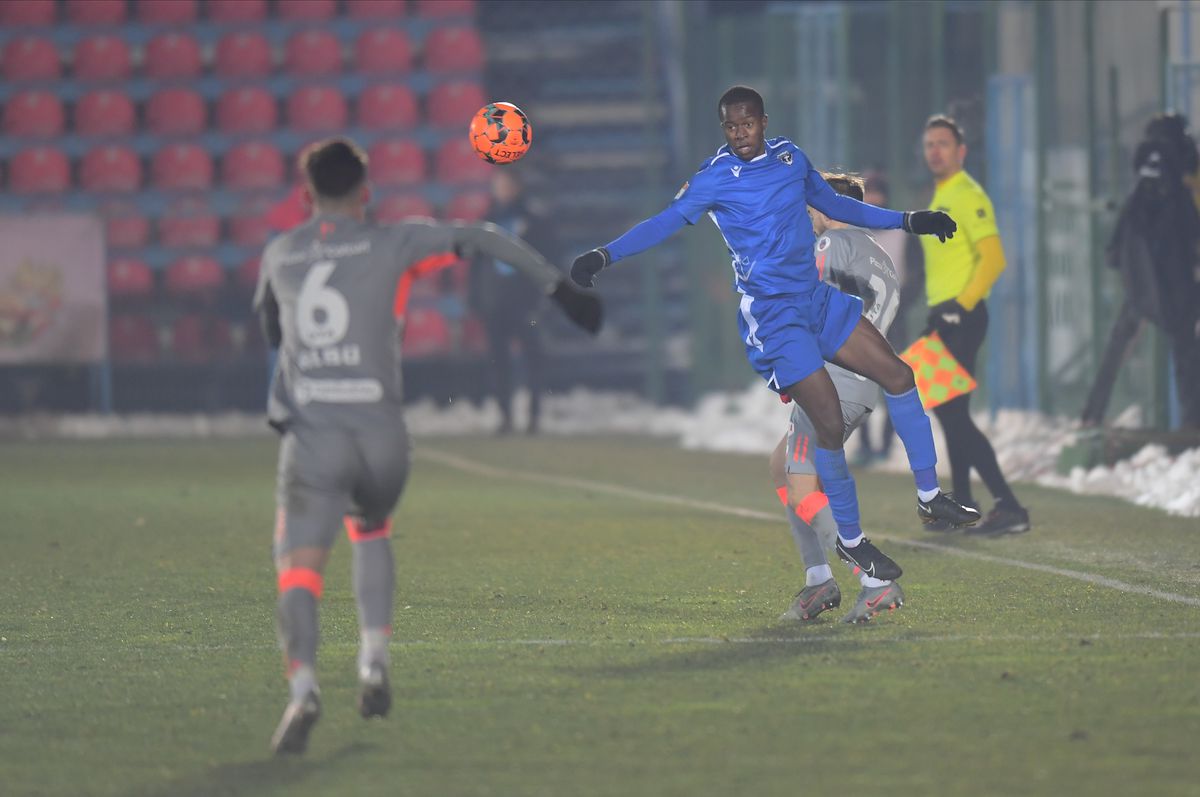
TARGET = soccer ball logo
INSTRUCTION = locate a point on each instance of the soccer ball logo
(500, 132)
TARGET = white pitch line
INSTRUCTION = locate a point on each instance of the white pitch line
(468, 466)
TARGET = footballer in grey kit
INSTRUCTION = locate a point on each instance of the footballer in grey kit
(849, 258)
(325, 299)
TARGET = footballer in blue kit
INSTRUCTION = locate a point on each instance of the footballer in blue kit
(757, 191)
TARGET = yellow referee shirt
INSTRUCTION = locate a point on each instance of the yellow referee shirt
(949, 266)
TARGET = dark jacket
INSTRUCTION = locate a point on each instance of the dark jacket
(496, 289)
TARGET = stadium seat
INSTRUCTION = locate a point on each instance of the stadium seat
(453, 104)
(375, 9)
(129, 278)
(457, 49)
(194, 275)
(104, 112)
(252, 165)
(34, 113)
(402, 206)
(457, 163)
(469, 206)
(167, 12)
(199, 338)
(189, 223)
(30, 58)
(306, 10)
(182, 167)
(172, 55)
(176, 112)
(247, 109)
(312, 53)
(383, 51)
(425, 333)
(384, 107)
(132, 338)
(445, 8)
(316, 109)
(243, 54)
(102, 57)
(124, 225)
(249, 225)
(397, 163)
(247, 273)
(39, 170)
(110, 168)
(227, 12)
(96, 12)
(32, 13)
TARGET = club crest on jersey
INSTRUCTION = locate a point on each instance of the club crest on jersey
(824, 243)
(786, 157)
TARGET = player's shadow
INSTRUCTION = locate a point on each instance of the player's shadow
(254, 777)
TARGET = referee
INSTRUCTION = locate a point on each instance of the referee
(958, 277)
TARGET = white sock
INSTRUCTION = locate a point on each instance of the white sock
(851, 543)
(373, 647)
(818, 575)
(928, 495)
(867, 581)
(302, 681)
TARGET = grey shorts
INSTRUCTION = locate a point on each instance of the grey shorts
(802, 436)
(325, 475)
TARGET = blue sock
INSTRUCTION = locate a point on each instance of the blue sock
(839, 488)
(912, 424)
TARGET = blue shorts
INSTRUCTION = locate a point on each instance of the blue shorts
(789, 337)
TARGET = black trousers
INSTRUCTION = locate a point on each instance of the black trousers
(502, 330)
(967, 446)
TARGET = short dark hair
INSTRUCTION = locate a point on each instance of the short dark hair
(845, 183)
(739, 95)
(941, 120)
(334, 168)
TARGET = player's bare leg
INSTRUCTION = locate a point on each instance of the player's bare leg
(374, 587)
(300, 581)
(867, 353)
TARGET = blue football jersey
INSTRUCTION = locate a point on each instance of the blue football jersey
(760, 207)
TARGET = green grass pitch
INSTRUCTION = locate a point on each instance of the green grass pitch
(564, 640)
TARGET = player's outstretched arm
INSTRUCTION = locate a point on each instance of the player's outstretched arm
(582, 307)
(639, 238)
(849, 210)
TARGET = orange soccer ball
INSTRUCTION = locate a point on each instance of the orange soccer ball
(500, 132)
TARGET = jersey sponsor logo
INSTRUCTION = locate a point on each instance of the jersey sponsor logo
(338, 391)
(737, 170)
(786, 157)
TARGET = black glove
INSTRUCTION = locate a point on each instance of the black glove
(588, 265)
(582, 307)
(930, 222)
(946, 317)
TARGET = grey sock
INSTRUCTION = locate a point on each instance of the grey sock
(374, 583)
(807, 541)
(297, 623)
(825, 527)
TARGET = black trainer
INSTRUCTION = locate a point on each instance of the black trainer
(291, 737)
(943, 507)
(869, 560)
(374, 694)
(1003, 519)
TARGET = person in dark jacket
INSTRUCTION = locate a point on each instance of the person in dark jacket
(1156, 249)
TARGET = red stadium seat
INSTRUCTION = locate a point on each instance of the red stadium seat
(31, 58)
(129, 279)
(104, 112)
(383, 107)
(39, 170)
(167, 12)
(132, 338)
(456, 49)
(306, 10)
(172, 55)
(182, 167)
(247, 109)
(230, 11)
(110, 168)
(313, 52)
(383, 51)
(249, 226)
(96, 12)
(453, 104)
(425, 333)
(375, 9)
(124, 226)
(102, 57)
(397, 163)
(469, 206)
(176, 112)
(252, 165)
(445, 8)
(34, 113)
(199, 338)
(194, 275)
(39, 13)
(402, 206)
(189, 223)
(457, 163)
(316, 109)
(243, 54)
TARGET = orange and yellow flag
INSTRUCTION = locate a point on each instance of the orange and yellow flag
(940, 377)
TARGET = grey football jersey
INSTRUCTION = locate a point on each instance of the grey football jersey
(850, 259)
(334, 280)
